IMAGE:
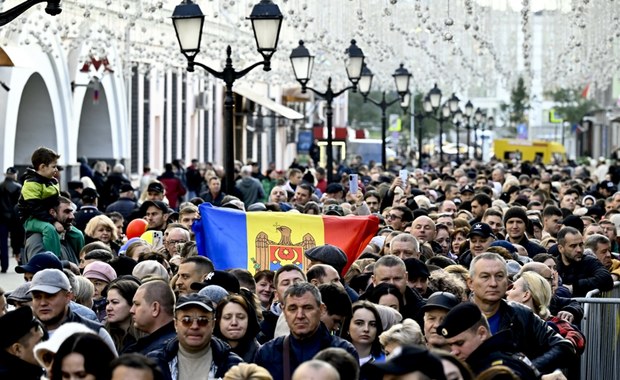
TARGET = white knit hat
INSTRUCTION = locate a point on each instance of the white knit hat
(58, 337)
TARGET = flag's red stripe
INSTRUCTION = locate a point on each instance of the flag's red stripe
(351, 234)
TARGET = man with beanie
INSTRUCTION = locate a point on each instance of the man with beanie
(516, 221)
(467, 333)
(417, 276)
(20, 333)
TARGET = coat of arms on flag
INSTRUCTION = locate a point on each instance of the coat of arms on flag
(273, 255)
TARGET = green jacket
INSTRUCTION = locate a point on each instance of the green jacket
(38, 196)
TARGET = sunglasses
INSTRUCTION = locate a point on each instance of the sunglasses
(189, 321)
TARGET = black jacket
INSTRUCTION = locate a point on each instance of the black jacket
(566, 304)
(465, 259)
(247, 350)
(84, 215)
(223, 358)
(546, 349)
(12, 367)
(9, 195)
(124, 206)
(500, 350)
(152, 342)
(35, 207)
(268, 326)
(532, 248)
(585, 275)
(271, 354)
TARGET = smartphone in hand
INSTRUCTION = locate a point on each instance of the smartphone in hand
(404, 174)
(353, 184)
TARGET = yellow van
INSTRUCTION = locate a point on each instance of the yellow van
(547, 152)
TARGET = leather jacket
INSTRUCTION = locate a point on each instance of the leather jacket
(546, 349)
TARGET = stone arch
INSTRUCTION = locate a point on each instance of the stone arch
(102, 126)
(35, 122)
(94, 125)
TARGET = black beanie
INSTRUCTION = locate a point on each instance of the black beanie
(516, 212)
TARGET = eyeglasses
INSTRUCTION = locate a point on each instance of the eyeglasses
(393, 216)
(176, 241)
(189, 321)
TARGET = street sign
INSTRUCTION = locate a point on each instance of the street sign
(395, 123)
(554, 117)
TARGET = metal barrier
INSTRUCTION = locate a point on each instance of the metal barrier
(601, 327)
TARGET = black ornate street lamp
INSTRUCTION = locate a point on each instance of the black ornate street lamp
(469, 110)
(432, 102)
(453, 105)
(458, 118)
(401, 79)
(303, 62)
(477, 121)
(188, 21)
(52, 8)
(419, 117)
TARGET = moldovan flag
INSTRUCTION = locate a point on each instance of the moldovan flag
(268, 240)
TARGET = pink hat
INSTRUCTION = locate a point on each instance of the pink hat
(100, 271)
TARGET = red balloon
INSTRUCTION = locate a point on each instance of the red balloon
(136, 228)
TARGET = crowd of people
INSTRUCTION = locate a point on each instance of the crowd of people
(470, 275)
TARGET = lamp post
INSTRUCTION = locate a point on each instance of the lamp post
(453, 105)
(469, 110)
(188, 21)
(477, 120)
(458, 117)
(419, 117)
(52, 8)
(401, 79)
(490, 122)
(303, 62)
(432, 102)
(434, 99)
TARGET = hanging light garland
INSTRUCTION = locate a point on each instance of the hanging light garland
(464, 44)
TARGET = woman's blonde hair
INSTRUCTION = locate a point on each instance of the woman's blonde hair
(540, 290)
(247, 371)
(407, 332)
(100, 220)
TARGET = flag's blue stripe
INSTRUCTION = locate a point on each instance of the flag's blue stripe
(230, 248)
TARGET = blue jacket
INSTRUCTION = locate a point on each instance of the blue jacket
(271, 354)
(223, 359)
